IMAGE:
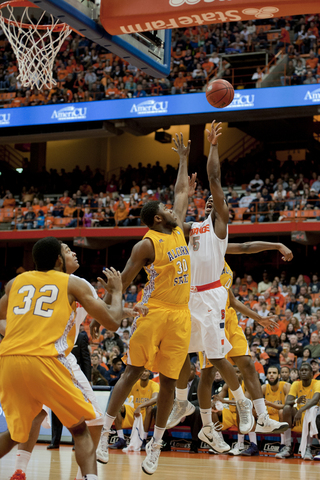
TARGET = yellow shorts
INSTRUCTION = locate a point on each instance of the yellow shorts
(229, 419)
(27, 383)
(128, 420)
(235, 335)
(161, 340)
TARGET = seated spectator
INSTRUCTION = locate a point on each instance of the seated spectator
(264, 284)
(313, 200)
(234, 200)
(315, 368)
(315, 288)
(295, 347)
(246, 200)
(289, 71)
(314, 346)
(273, 351)
(121, 213)
(294, 375)
(124, 326)
(29, 219)
(192, 213)
(287, 358)
(108, 218)
(111, 339)
(8, 200)
(261, 212)
(307, 392)
(114, 373)
(18, 221)
(131, 296)
(310, 78)
(96, 364)
(133, 218)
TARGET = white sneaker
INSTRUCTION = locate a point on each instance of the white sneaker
(285, 452)
(102, 452)
(308, 455)
(180, 409)
(150, 463)
(209, 435)
(238, 449)
(265, 424)
(246, 420)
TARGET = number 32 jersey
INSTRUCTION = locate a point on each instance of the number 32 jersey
(207, 253)
(39, 316)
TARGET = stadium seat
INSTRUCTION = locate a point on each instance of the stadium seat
(60, 222)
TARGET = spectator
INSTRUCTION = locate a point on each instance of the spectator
(96, 361)
(131, 296)
(110, 340)
(121, 213)
(246, 200)
(314, 346)
(115, 372)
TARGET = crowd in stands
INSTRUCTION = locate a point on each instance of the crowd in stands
(84, 71)
(92, 202)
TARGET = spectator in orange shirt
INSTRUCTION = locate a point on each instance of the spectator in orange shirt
(280, 299)
(69, 209)
(8, 200)
(243, 292)
(65, 199)
(178, 84)
(250, 283)
(35, 205)
(312, 61)
(112, 91)
(284, 40)
(199, 200)
(121, 213)
(287, 358)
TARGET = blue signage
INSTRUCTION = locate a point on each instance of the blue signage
(193, 103)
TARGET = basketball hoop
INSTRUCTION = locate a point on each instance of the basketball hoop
(35, 45)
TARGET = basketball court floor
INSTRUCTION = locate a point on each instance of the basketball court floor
(61, 465)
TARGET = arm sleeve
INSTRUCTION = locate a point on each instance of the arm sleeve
(294, 389)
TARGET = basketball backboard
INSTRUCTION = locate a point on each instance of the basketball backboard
(149, 51)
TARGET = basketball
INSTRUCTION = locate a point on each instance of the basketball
(219, 93)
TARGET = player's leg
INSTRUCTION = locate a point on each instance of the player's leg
(210, 432)
(84, 449)
(264, 423)
(6, 443)
(25, 449)
(181, 406)
(124, 419)
(288, 416)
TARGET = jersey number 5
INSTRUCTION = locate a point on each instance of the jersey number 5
(38, 310)
(196, 243)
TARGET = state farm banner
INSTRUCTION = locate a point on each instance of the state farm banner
(129, 16)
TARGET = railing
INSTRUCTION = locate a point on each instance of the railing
(240, 148)
(11, 156)
(98, 218)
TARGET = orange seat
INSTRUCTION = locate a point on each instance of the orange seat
(308, 213)
(1, 215)
(239, 211)
(61, 222)
(8, 213)
(273, 36)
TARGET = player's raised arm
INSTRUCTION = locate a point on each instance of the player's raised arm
(109, 316)
(256, 247)
(181, 190)
(220, 210)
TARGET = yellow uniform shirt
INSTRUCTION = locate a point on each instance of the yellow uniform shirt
(169, 274)
(297, 389)
(140, 395)
(226, 279)
(40, 318)
(275, 397)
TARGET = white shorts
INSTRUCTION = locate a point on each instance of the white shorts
(208, 311)
(85, 386)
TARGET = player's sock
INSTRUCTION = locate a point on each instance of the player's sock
(309, 441)
(158, 433)
(145, 435)
(90, 476)
(253, 437)
(79, 475)
(240, 439)
(238, 394)
(260, 406)
(181, 394)
(22, 460)
(282, 438)
(120, 434)
(206, 416)
(287, 437)
(108, 421)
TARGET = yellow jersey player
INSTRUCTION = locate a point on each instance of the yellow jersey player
(40, 310)
(303, 395)
(142, 397)
(164, 333)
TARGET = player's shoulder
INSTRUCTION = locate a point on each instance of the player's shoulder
(81, 279)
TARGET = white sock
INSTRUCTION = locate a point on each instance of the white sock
(309, 441)
(206, 416)
(181, 394)
(238, 394)
(287, 437)
(120, 434)
(145, 435)
(240, 439)
(282, 439)
(158, 433)
(90, 476)
(253, 438)
(260, 406)
(79, 475)
(108, 421)
(22, 460)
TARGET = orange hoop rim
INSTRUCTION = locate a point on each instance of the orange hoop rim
(25, 3)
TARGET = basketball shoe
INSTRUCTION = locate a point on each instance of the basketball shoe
(18, 475)
(265, 424)
(308, 455)
(150, 463)
(238, 449)
(246, 419)
(285, 452)
(209, 435)
(180, 409)
(251, 451)
(102, 452)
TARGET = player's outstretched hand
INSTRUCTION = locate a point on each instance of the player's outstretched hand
(94, 329)
(192, 184)
(114, 283)
(215, 132)
(269, 322)
(180, 148)
(141, 309)
(286, 252)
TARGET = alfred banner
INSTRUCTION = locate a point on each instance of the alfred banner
(128, 16)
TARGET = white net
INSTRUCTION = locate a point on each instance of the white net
(34, 46)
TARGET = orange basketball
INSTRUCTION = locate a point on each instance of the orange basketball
(219, 93)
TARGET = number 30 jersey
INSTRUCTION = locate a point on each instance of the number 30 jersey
(207, 253)
(39, 316)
